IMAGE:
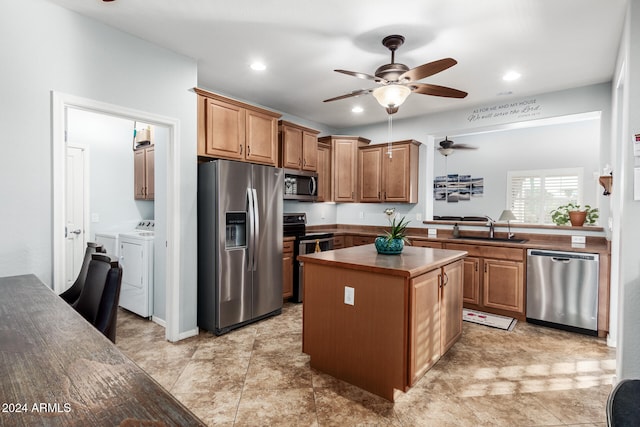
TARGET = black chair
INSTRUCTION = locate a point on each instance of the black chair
(98, 300)
(71, 295)
(623, 405)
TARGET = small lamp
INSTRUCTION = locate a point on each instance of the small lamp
(507, 215)
(391, 96)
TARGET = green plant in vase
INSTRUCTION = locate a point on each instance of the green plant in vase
(394, 240)
(574, 214)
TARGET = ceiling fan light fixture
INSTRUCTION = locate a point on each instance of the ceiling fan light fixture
(445, 151)
(391, 96)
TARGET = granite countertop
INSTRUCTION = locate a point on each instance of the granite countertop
(412, 262)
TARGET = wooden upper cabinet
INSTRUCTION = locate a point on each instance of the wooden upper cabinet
(324, 174)
(370, 174)
(389, 175)
(230, 129)
(143, 175)
(298, 146)
(344, 163)
(262, 139)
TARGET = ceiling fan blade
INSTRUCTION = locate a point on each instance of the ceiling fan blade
(463, 147)
(428, 69)
(364, 76)
(349, 95)
(435, 90)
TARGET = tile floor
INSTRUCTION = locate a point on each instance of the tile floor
(257, 376)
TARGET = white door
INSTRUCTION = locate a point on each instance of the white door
(74, 222)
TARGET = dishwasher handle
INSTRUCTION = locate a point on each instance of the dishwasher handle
(556, 255)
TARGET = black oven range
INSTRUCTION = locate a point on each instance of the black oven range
(294, 225)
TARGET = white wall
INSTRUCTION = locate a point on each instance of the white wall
(565, 145)
(588, 99)
(626, 210)
(45, 48)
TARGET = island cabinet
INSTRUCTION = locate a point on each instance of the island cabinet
(344, 166)
(230, 129)
(389, 174)
(324, 173)
(436, 317)
(143, 170)
(381, 321)
(287, 269)
(493, 279)
(298, 146)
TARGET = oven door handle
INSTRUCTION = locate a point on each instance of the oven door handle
(326, 239)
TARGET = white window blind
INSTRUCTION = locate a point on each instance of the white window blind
(532, 195)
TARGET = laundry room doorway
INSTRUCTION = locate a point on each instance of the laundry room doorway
(106, 133)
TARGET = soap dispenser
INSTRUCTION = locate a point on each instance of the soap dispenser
(456, 230)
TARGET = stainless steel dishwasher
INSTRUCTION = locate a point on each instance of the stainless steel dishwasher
(562, 290)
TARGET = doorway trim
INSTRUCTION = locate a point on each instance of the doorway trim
(59, 103)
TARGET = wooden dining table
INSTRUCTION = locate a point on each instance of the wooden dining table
(56, 369)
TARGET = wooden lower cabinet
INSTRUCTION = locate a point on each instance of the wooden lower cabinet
(425, 324)
(493, 279)
(450, 305)
(503, 285)
(338, 242)
(471, 287)
(436, 317)
(362, 240)
(426, 244)
(287, 269)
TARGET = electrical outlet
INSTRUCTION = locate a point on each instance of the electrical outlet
(95, 217)
(418, 217)
(578, 241)
(432, 232)
(361, 215)
(349, 295)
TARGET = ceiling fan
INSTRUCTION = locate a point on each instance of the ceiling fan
(447, 147)
(397, 81)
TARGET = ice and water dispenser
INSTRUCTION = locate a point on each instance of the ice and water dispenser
(236, 230)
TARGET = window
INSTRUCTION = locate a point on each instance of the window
(532, 195)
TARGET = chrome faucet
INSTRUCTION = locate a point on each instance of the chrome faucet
(491, 227)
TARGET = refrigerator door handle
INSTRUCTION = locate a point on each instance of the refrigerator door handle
(256, 226)
(251, 243)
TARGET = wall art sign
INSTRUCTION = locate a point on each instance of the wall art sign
(455, 188)
(525, 109)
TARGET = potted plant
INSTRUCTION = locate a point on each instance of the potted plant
(393, 241)
(574, 214)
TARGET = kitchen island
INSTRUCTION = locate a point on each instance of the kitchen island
(381, 321)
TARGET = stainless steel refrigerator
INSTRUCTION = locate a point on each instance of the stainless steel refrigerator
(239, 244)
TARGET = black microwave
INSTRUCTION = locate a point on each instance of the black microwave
(300, 185)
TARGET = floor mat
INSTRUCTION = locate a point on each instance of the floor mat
(493, 320)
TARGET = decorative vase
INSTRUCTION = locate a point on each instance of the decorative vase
(389, 247)
(577, 218)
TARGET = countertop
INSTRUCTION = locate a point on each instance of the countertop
(560, 242)
(412, 262)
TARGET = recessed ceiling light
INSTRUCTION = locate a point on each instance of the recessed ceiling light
(511, 75)
(357, 109)
(258, 66)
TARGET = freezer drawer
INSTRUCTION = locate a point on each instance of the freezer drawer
(562, 290)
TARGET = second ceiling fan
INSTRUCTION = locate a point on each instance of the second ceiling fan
(397, 81)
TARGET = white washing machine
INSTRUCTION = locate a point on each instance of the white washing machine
(110, 241)
(136, 259)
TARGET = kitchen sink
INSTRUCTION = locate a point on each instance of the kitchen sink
(491, 239)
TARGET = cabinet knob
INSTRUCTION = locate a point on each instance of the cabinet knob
(240, 148)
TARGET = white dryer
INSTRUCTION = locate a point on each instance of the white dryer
(136, 259)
